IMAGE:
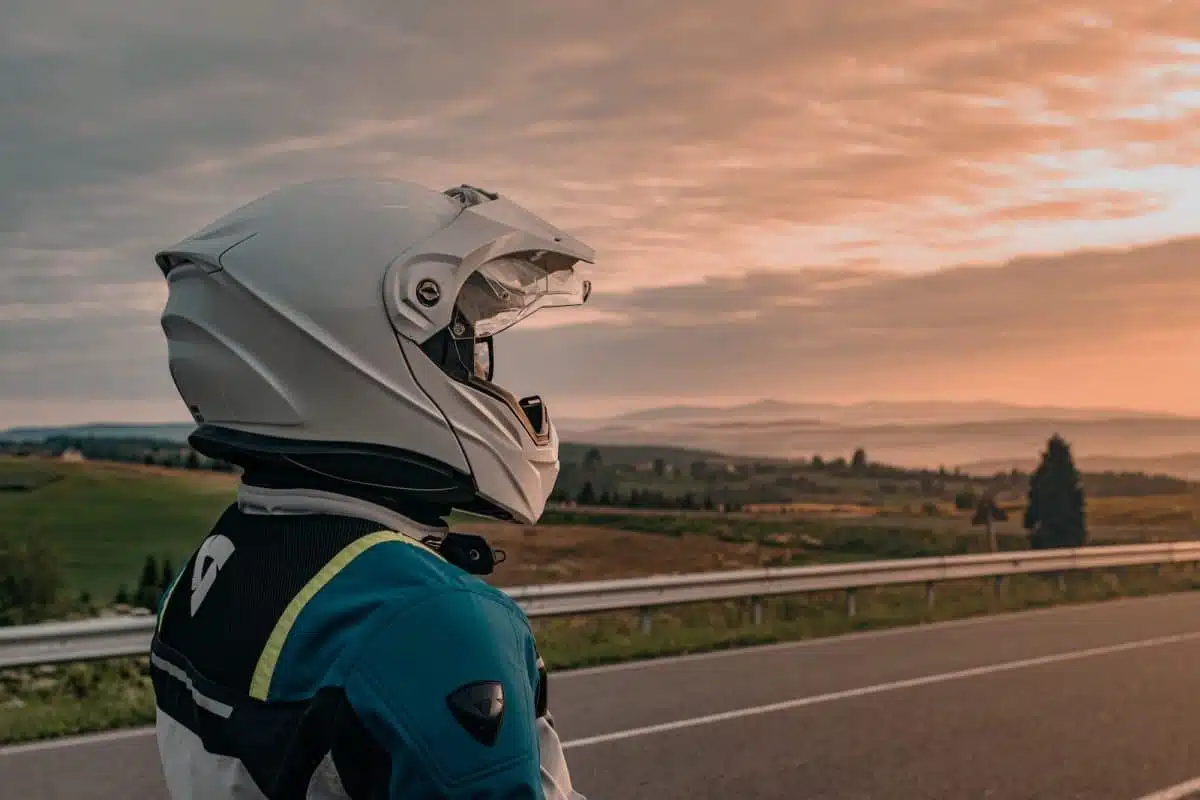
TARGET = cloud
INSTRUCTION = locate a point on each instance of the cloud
(683, 140)
(1098, 206)
(1087, 328)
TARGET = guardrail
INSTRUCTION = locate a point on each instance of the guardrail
(89, 640)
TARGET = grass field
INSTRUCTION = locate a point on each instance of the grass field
(103, 519)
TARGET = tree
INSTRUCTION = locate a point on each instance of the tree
(150, 573)
(818, 462)
(592, 460)
(858, 462)
(660, 467)
(987, 512)
(192, 461)
(1055, 515)
(148, 459)
(147, 592)
(587, 495)
(31, 579)
(168, 574)
(698, 469)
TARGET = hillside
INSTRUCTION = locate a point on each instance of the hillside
(104, 518)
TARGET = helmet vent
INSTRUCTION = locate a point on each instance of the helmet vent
(471, 195)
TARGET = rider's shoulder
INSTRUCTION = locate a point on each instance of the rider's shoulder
(412, 578)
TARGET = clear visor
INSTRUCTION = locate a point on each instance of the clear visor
(505, 291)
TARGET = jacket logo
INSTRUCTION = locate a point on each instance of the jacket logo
(212, 555)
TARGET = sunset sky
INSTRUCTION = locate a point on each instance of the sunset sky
(799, 199)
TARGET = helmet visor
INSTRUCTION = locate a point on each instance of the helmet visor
(505, 291)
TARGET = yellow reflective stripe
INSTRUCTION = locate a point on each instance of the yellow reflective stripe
(260, 685)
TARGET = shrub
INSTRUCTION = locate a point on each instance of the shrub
(965, 500)
(31, 578)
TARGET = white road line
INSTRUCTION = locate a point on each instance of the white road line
(1013, 616)
(883, 633)
(1177, 792)
(880, 688)
(76, 741)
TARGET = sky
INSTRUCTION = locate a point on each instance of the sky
(819, 200)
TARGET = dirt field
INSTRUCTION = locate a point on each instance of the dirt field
(557, 553)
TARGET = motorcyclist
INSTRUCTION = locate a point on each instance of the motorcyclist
(329, 638)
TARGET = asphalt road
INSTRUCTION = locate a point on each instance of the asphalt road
(1089, 702)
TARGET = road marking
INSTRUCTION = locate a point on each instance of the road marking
(75, 741)
(1013, 616)
(884, 633)
(1177, 792)
(880, 688)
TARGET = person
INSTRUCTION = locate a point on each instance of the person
(332, 637)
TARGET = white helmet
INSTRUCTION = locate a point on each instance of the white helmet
(342, 330)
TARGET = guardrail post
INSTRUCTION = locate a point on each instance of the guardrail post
(929, 594)
(646, 622)
(756, 609)
(851, 602)
(1062, 583)
(998, 586)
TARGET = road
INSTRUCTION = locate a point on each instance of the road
(1093, 702)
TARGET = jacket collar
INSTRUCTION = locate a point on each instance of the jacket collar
(258, 500)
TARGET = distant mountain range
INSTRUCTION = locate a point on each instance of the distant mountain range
(866, 413)
(979, 436)
(166, 431)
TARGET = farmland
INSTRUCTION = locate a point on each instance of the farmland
(103, 519)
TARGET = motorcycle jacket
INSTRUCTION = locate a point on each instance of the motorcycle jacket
(314, 648)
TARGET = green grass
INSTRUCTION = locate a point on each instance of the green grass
(78, 698)
(45, 702)
(104, 521)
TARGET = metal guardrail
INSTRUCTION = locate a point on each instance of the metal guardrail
(82, 640)
(88, 640)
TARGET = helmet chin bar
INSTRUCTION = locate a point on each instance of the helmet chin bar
(456, 356)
